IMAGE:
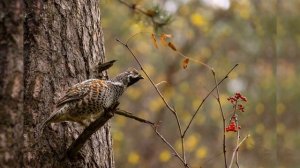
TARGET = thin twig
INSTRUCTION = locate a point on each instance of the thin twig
(161, 96)
(142, 69)
(194, 60)
(132, 36)
(223, 119)
(236, 148)
(181, 136)
(196, 112)
(171, 147)
(135, 7)
(130, 115)
(238, 132)
(237, 142)
(154, 126)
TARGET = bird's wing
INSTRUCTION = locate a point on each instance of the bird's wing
(76, 92)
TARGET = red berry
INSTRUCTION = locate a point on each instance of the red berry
(244, 98)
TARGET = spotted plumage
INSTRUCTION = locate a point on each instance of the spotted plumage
(86, 101)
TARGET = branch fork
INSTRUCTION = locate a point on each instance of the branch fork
(182, 133)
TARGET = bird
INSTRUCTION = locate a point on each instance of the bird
(84, 102)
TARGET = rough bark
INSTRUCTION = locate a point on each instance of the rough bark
(11, 82)
(63, 41)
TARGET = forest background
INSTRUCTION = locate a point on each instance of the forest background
(261, 36)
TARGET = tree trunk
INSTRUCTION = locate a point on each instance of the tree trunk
(63, 40)
(11, 83)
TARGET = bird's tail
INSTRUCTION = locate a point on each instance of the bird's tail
(50, 119)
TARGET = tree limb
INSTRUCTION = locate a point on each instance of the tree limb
(89, 131)
(130, 115)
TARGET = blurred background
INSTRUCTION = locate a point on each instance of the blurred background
(263, 37)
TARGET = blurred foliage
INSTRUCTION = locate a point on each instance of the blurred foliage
(262, 36)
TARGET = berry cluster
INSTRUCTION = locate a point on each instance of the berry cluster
(236, 97)
(241, 107)
(234, 100)
(233, 125)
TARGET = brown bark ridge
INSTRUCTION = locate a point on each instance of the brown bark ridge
(63, 40)
(11, 82)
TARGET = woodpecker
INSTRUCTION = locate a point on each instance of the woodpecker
(86, 101)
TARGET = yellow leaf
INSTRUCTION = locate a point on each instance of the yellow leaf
(191, 143)
(198, 20)
(280, 108)
(280, 128)
(164, 156)
(259, 108)
(185, 63)
(250, 143)
(133, 158)
(118, 135)
(156, 104)
(172, 46)
(163, 38)
(201, 152)
(154, 40)
(260, 128)
(150, 13)
(166, 35)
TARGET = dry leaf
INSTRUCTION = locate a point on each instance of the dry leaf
(172, 46)
(167, 35)
(150, 13)
(154, 40)
(163, 38)
(185, 63)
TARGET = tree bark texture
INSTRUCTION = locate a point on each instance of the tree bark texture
(11, 83)
(63, 41)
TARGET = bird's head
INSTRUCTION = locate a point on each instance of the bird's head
(129, 77)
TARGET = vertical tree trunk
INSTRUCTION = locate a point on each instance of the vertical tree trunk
(63, 40)
(11, 82)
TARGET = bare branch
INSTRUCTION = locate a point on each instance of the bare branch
(130, 115)
(237, 142)
(181, 136)
(100, 67)
(151, 15)
(154, 126)
(134, 7)
(161, 96)
(236, 149)
(223, 118)
(196, 112)
(238, 132)
(89, 131)
(171, 147)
